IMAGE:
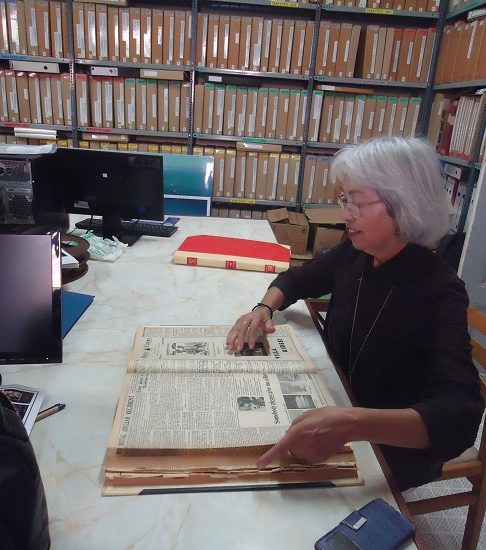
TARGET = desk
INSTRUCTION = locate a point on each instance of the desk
(143, 287)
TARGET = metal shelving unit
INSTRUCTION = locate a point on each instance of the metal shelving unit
(234, 200)
(314, 12)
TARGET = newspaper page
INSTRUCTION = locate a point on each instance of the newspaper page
(204, 411)
(26, 401)
(203, 349)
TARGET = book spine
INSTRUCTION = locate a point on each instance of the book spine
(239, 263)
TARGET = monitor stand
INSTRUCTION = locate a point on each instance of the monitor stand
(107, 227)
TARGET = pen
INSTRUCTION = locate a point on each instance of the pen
(51, 410)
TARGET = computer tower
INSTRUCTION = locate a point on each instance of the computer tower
(29, 193)
(16, 193)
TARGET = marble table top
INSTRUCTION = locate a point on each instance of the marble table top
(144, 287)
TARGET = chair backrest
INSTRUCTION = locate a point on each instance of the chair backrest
(477, 320)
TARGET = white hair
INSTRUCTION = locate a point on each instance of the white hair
(405, 173)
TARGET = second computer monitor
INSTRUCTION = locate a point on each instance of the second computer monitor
(115, 185)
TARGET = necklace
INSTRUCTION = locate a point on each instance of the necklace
(353, 366)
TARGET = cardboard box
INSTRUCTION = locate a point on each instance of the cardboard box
(16, 27)
(168, 38)
(113, 34)
(212, 48)
(304, 97)
(266, 42)
(322, 53)
(396, 46)
(245, 43)
(124, 26)
(208, 109)
(43, 32)
(11, 96)
(229, 172)
(145, 35)
(333, 49)
(272, 176)
(275, 45)
(187, 39)
(107, 102)
(234, 42)
(185, 102)
(95, 91)
(219, 157)
(283, 176)
(56, 90)
(90, 31)
(262, 174)
(293, 178)
(82, 100)
(119, 102)
(315, 115)
(23, 97)
(321, 177)
(291, 228)
(174, 105)
(135, 38)
(251, 111)
(251, 171)
(66, 98)
(130, 103)
(157, 35)
(179, 37)
(102, 30)
(256, 43)
(240, 112)
(152, 105)
(229, 111)
(223, 41)
(240, 175)
(326, 228)
(218, 109)
(272, 113)
(202, 39)
(198, 108)
(287, 44)
(31, 27)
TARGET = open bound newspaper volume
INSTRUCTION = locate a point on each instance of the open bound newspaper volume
(192, 415)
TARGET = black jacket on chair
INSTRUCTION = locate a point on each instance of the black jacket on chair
(23, 510)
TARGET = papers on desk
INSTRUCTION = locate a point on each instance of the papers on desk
(27, 402)
(68, 261)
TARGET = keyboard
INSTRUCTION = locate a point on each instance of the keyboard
(131, 228)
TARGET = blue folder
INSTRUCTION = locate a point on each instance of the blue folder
(74, 305)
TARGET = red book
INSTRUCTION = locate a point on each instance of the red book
(231, 253)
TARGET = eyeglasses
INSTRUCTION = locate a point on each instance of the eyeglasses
(354, 208)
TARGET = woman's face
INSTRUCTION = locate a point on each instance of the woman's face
(374, 230)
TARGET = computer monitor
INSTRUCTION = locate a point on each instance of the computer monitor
(115, 185)
(30, 296)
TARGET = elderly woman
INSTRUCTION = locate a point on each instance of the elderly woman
(397, 323)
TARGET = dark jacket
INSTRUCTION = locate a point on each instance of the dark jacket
(418, 353)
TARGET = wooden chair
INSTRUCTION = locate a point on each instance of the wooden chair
(471, 464)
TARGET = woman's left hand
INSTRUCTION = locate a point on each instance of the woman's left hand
(313, 436)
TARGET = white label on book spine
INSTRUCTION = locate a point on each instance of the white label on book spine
(301, 49)
(46, 30)
(395, 56)
(264, 111)
(334, 51)
(346, 51)
(326, 47)
(373, 53)
(171, 40)
(279, 45)
(232, 167)
(392, 119)
(409, 53)
(268, 33)
(311, 184)
(329, 119)
(103, 37)
(247, 47)
(254, 176)
(226, 41)
(381, 120)
(289, 50)
(231, 114)
(274, 115)
(421, 57)
(471, 41)
(33, 29)
(372, 118)
(286, 174)
(181, 39)
(80, 38)
(304, 108)
(359, 120)
(402, 119)
(210, 110)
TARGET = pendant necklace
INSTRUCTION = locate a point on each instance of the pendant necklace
(353, 366)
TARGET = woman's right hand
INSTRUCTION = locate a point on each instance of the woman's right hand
(247, 327)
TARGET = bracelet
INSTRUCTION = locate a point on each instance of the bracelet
(261, 304)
